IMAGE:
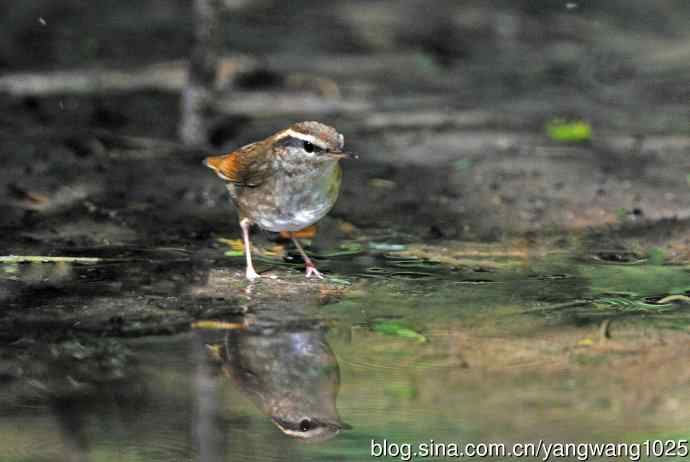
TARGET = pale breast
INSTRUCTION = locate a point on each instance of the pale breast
(291, 202)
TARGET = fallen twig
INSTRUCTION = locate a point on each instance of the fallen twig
(218, 325)
(165, 75)
(604, 331)
(14, 259)
(674, 298)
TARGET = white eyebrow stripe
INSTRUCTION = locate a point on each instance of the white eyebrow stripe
(302, 136)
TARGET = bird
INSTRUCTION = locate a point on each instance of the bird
(290, 373)
(284, 183)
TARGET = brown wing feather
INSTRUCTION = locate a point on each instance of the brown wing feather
(246, 166)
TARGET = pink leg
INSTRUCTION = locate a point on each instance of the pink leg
(251, 274)
(311, 268)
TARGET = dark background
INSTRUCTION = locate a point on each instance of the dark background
(446, 101)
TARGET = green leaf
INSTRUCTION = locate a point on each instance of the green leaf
(396, 329)
(562, 130)
(656, 256)
(462, 164)
(621, 213)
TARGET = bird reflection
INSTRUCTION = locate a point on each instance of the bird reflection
(289, 372)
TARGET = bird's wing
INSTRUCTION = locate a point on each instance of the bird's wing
(247, 166)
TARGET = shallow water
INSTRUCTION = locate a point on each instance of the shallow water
(508, 350)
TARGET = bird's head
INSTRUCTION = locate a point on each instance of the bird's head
(309, 142)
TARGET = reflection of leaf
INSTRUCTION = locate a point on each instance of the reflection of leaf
(387, 247)
(277, 261)
(397, 329)
(656, 256)
(401, 391)
(349, 248)
(630, 305)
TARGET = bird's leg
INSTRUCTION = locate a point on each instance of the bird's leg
(251, 274)
(311, 268)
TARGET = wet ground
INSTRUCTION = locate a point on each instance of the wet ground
(487, 278)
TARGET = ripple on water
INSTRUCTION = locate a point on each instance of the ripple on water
(419, 357)
(18, 445)
(411, 275)
(160, 446)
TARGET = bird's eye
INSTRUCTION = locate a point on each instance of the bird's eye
(308, 146)
(305, 425)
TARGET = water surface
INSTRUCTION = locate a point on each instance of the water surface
(394, 348)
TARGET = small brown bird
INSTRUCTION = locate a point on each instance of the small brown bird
(284, 183)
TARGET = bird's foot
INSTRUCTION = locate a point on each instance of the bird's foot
(252, 275)
(311, 269)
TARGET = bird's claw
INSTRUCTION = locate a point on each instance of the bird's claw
(252, 275)
(311, 269)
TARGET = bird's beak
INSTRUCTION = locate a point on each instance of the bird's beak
(342, 155)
